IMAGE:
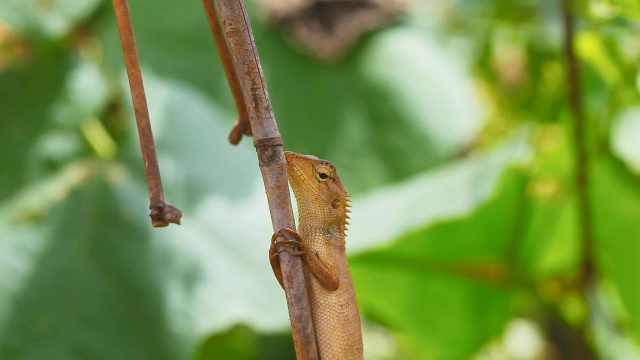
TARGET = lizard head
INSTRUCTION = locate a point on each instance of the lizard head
(317, 187)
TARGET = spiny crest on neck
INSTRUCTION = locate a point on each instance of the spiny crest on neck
(347, 210)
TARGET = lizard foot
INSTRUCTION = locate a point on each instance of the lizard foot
(296, 243)
(285, 236)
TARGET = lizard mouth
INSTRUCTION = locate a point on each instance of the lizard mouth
(300, 176)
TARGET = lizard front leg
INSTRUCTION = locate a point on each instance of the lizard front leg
(274, 254)
(324, 273)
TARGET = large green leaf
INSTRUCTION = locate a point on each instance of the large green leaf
(616, 210)
(451, 190)
(91, 283)
(433, 282)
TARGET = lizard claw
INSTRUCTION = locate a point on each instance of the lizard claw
(295, 243)
(292, 244)
(283, 238)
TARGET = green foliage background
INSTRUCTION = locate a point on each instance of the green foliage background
(451, 129)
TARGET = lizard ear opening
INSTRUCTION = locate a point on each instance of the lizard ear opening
(336, 203)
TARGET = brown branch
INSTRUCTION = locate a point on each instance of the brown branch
(242, 125)
(566, 340)
(268, 144)
(161, 213)
(581, 159)
(580, 343)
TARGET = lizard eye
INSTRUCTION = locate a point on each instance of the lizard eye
(323, 172)
(323, 176)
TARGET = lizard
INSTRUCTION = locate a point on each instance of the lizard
(323, 207)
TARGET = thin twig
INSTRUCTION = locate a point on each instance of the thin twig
(161, 213)
(581, 178)
(268, 144)
(242, 125)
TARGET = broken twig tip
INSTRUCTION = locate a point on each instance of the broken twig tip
(164, 214)
(240, 127)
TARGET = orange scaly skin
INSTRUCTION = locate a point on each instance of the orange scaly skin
(323, 207)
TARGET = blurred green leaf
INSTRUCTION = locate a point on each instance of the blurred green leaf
(52, 18)
(365, 109)
(94, 265)
(220, 191)
(106, 269)
(348, 106)
(448, 191)
(625, 8)
(549, 233)
(592, 48)
(26, 117)
(616, 210)
(173, 38)
(241, 343)
(549, 227)
(623, 138)
(443, 278)
(191, 136)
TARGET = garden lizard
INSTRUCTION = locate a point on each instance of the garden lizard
(323, 206)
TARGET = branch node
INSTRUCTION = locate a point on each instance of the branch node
(240, 127)
(267, 142)
(164, 214)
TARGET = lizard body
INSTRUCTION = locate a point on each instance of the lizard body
(323, 213)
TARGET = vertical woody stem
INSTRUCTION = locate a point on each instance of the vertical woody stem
(581, 179)
(242, 125)
(268, 145)
(161, 213)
